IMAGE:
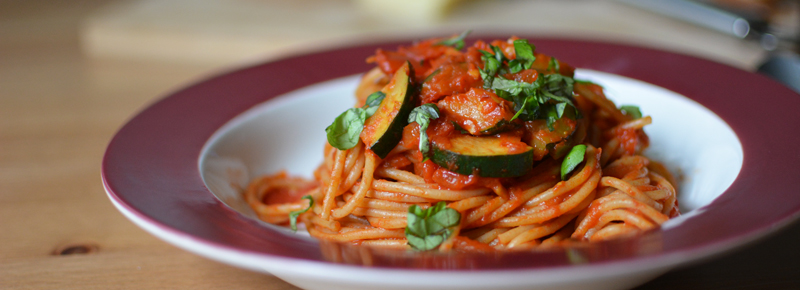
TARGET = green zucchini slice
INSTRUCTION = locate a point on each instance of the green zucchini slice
(486, 156)
(384, 129)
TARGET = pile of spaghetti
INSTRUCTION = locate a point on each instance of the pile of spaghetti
(492, 146)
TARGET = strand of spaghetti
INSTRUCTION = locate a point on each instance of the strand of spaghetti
(613, 231)
(635, 124)
(371, 212)
(399, 175)
(546, 212)
(384, 204)
(387, 243)
(398, 197)
(439, 194)
(336, 178)
(609, 203)
(624, 216)
(366, 183)
(489, 236)
(353, 154)
(631, 191)
(484, 209)
(468, 203)
(514, 203)
(611, 151)
(659, 168)
(332, 225)
(560, 235)
(600, 100)
(447, 244)
(387, 222)
(465, 244)
(358, 234)
(278, 213)
(545, 171)
(374, 80)
(591, 156)
(500, 190)
(622, 167)
(672, 194)
(353, 172)
(541, 230)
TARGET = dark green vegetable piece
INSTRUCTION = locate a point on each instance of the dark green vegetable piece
(384, 129)
(426, 229)
(293, 215)
(574, 157)
(486, 156)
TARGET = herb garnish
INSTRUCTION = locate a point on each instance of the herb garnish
(545, 98)
(423, 115)
(456, 41)
(574, 157)
(525, 57)
(294, 214)
(427, 228)
(632, 111)
(345, 130)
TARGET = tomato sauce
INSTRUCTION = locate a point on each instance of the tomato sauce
(282, 195)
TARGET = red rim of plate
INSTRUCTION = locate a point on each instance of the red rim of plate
(151, 165)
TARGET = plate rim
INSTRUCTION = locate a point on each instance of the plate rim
(111, 167)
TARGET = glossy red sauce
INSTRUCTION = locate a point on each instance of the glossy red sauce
(449, 80)
(281, 195)
(477, 110)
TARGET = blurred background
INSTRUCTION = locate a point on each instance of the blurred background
(72, 72)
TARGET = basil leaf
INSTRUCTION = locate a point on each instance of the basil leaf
(574, 157)
(632, 111)
(374, 99)
(427, 229)
(553, 65)
(455, 41)
(343, 133)
(430, 76)
(524, 51)
(294, 214)
(585, 82)
(423, 115)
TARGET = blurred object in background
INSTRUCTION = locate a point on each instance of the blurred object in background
(407, 12)
(229, 33)
(774, 25)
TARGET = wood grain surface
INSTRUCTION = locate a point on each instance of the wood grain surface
(58, 110)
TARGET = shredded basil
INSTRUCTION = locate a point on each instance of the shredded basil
(294, 214)
(345, 130)
(456, 41)
(546, 98)
(574, 157)
(426, 229)
(632, 111)
(423, 115)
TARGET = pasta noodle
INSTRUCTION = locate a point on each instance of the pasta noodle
(367, 196)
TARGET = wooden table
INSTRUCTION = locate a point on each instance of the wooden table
(58, 110)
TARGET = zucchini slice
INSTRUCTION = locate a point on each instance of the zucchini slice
(480, 112)
(486, 156)
(384, 129)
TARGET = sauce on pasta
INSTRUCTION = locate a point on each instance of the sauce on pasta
(490, 147)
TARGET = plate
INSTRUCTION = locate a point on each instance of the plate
(176, 168)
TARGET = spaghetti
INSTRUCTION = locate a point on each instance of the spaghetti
(515, 153)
